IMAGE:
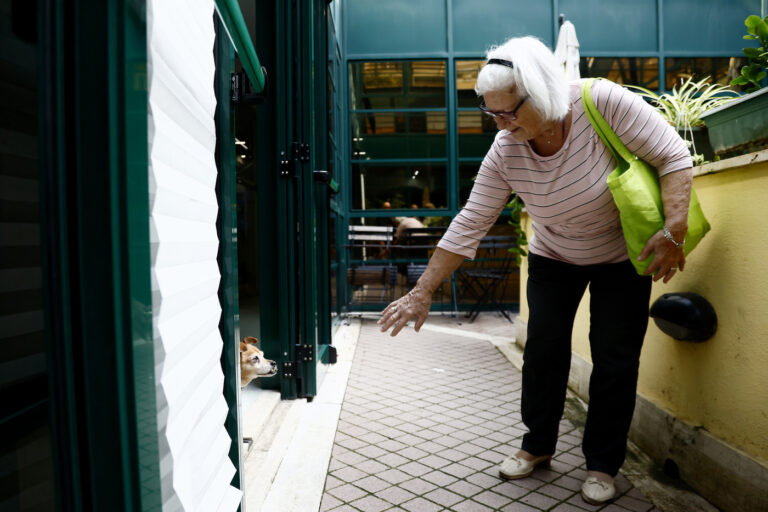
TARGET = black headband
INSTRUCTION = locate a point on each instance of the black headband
(501, 62)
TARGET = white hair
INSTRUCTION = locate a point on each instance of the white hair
(535, 73)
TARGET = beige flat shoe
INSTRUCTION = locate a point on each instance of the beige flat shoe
(515, 467)
(597, 492)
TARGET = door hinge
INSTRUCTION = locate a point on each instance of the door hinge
(299, 152)
(304, 354)
(242, 91)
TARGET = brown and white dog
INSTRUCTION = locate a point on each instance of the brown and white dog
(253, 364)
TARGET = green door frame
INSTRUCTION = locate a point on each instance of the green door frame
(97, 255)
(226, 226)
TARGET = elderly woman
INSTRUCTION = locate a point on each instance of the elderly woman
(548, 153)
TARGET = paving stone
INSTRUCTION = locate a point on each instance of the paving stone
(418, 486)
(347, 492)
(567, 507)
(444, 497)
(413, 453)
(510, 490)
(483, 480)
(539, 500)
(372, 484)
(371, 504)
(556, 492)
(396, 495)
(451, 455)
(458, 470)
(350, 458)
(421, 505)
(521, 507)
(349, 474)
(329, 502)
(371, 467)
(464, 488)
(434, 461)
(491, 499)
(351, 443)
(332, 482)
(346, 508)
(394, 476)
(439, 478)
(470, 506)
(469, 448)
(613, 507)
(634, 504)
(392, 460)
(415, 469)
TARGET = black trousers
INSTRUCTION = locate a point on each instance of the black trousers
(618, 321)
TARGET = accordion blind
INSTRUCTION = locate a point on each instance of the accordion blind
(195, 468)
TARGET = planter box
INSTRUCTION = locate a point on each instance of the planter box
(700, 141)
(740, 126)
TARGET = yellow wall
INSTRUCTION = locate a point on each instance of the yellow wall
(721, 384)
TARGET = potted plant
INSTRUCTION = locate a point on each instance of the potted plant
(684, 107)
(742, 125)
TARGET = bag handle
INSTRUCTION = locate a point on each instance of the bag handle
(603, 129)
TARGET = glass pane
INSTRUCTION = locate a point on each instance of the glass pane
(721, 69)
(26, 470)
(398, 186)
(393, 85)
(466, 77)
(467, 174)
(640, 71)
(398, 135)
(476, 133)
(426, 84)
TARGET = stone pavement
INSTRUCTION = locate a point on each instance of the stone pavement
(426, 419)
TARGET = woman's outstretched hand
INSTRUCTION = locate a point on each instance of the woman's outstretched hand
(414, 304)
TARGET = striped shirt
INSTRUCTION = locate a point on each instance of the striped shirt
(573, 215)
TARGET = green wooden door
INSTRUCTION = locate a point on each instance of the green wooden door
(292, 206)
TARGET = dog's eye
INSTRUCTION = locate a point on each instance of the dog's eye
(255, 358)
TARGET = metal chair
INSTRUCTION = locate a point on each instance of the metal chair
(487, 277)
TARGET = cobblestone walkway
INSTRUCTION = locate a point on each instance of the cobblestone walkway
(427, 418)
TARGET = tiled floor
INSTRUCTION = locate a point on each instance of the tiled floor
(425, 421)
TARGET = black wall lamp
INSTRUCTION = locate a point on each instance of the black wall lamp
(685, 316)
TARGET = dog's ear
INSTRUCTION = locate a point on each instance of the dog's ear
(251, 340)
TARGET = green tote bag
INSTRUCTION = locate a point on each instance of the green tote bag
(636, 192)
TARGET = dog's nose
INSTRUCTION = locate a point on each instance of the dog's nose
(273, 365)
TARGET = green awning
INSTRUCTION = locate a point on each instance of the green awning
(230, 14)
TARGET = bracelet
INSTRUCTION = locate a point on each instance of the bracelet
(669, 237)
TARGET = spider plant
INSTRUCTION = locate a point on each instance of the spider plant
(685, 104)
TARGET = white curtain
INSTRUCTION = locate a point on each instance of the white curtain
(194, 445)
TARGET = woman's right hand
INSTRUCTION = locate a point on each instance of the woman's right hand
(414, 304)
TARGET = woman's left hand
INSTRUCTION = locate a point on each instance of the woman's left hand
(667, 258)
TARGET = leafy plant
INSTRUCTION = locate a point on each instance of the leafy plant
(754, 72)
(517, 205)
(684, 106)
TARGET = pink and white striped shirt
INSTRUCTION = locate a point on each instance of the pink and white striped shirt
(574, 217)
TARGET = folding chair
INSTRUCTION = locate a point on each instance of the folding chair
(487, 279)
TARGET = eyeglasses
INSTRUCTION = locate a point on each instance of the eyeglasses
(510, 115)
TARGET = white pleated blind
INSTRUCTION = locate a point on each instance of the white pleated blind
(194, 445)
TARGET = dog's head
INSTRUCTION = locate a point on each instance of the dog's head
(253, 364)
